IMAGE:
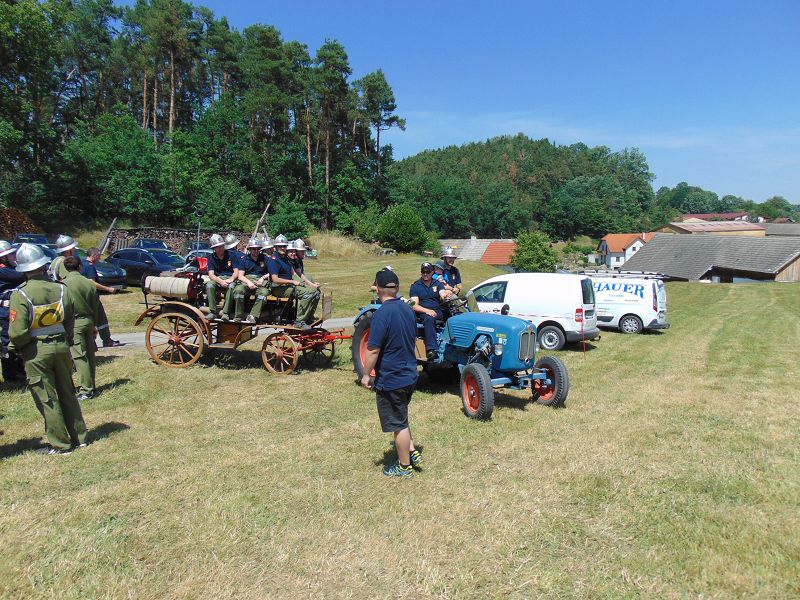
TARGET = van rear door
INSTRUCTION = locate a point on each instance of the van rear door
(660, 294)
(589, 312)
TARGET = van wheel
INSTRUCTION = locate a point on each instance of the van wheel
(551, 338)
(630, 324)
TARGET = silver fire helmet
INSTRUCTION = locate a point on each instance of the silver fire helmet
(30, 257)
(64, 243)
(216, 240)
(231, 241)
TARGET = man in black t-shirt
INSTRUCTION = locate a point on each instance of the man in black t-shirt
(390, 352)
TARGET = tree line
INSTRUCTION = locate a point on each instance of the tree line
(162, 113)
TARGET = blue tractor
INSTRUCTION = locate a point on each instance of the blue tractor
(489, 350)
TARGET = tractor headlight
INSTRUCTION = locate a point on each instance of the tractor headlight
(498, 349)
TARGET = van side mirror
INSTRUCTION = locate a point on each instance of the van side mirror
(505, 310)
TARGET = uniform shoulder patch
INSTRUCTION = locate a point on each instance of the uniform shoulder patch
(12, 315)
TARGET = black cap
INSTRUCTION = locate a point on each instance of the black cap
(386, 279)
(426, 266)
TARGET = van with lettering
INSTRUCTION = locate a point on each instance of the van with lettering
(560, 305)
(630, 303)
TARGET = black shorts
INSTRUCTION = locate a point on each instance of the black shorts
(393, 408)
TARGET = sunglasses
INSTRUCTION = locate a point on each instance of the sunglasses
(426, 272)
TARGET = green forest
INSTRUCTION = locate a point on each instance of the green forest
(161, 113)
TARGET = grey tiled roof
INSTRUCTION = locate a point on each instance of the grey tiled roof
(782, 228)
(691, 256)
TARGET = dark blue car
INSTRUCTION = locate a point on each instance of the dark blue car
(139, 263)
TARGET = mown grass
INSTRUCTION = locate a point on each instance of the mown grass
(347, 277)
(672, 472)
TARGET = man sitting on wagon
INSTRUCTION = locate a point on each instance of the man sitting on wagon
(425, 294)
(293, 252)
(284, 285)
(253, 277)
(223, 271)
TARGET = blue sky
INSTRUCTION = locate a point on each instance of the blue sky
(708, 90)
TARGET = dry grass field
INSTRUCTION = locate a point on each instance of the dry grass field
(672, 472)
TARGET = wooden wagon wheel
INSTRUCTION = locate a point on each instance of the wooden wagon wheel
(319, 352)
(174, 340)
(279, 353)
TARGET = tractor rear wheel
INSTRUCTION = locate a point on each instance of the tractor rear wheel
(554, 393)
(477, 393)
(359, 344)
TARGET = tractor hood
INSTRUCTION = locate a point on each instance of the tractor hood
(461, 330)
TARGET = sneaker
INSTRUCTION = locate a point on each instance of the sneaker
(237, 319)
(112, 343)
(83, 445)
(50, 451)
(224, 317)
(302, 325)
(250, 319)
(398, 470)
(432, 355)
(82, 397)
(416, 459)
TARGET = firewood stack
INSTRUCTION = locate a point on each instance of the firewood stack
(13, 221)
(176, 239)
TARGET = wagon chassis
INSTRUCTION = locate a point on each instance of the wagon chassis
(179, 333)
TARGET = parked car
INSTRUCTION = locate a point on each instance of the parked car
(150, 244)
(107, 274)
(562, 306)
(138, 263)
(631, 302)
(189, 246)
(31, 238)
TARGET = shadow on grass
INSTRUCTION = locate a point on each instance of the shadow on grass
(105, 359)
(111, 385)
(226, 358)
(18, 447)
(106, 430)
(28, 444)
(578, 347)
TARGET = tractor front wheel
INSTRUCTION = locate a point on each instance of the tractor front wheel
(477, 394)
(556, 391)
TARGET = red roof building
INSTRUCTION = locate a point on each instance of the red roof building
(499, 254)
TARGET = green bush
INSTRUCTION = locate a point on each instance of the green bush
(401, 228)
(533, 253)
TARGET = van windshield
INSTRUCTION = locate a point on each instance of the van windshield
(588, 291)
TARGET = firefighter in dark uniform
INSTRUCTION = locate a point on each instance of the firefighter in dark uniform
(42, 319)
(451, 273)
(281, 274)
(426, 300)
(253, 277)
(10, 278)
(222, 273)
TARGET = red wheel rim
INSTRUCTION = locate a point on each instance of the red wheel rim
(543, 390)
(362, 349)
(471, 392)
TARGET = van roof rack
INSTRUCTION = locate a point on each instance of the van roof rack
(624, 274)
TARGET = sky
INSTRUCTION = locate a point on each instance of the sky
(708, 90)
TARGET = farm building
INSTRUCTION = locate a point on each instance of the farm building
(728, 216)
(782, 229)
(616, 248)
(471, 248)
(723, 259)
(715, 228)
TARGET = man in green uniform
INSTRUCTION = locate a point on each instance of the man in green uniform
(41, 327)
(87, 309)
(284, 285)
(65, 247)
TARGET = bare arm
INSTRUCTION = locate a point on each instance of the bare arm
(370, 360)
(417, 308)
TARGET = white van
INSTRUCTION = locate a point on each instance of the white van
(630, 303)
(560, 305)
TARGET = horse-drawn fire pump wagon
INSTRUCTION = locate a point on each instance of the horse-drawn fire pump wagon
(182, 327)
